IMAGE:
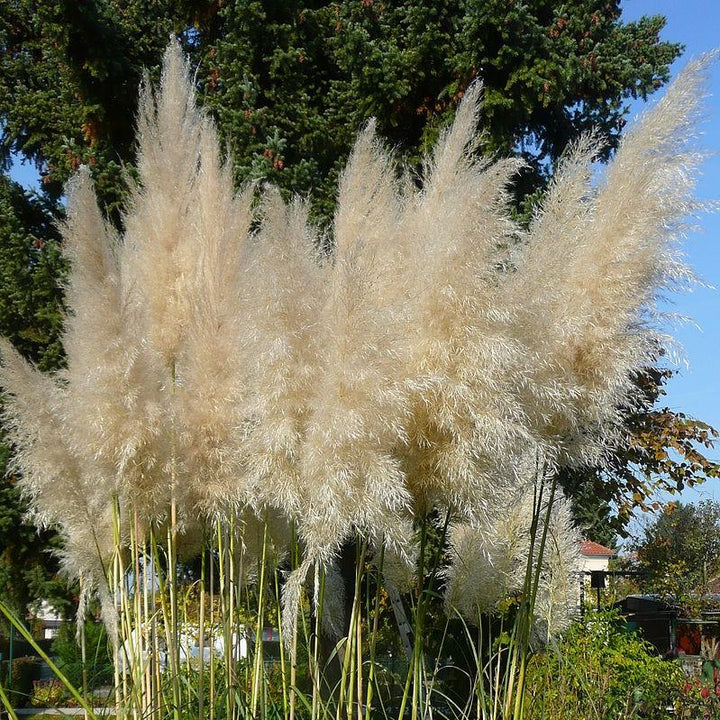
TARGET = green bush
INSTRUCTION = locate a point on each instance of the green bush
(24, 671)
(68, 656)
(601, 671)
(47, 693)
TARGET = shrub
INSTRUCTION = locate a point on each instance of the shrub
(282, 406)
(601, 671)
(47, 693)
(699, 696)
(68, 656)
(24, 672)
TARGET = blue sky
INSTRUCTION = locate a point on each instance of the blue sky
(696, 391)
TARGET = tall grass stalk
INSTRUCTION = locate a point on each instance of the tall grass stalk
(258, 677)
(373, 620)
(319, 582)
(201, 635)
(283, 658)
(83, 649)
(348, 699)
(211, 585)
(514, 686)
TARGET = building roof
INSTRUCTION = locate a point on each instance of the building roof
(593, 549)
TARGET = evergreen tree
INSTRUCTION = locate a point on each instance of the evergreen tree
(31, 270)
(291, 83)
(30, 314)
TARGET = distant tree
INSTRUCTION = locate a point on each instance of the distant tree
(680, 552)
(663, 452)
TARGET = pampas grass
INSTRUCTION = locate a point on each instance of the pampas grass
(489, 560)
(229, 380)
(595, 261)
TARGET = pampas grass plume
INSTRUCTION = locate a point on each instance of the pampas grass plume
(219, 363)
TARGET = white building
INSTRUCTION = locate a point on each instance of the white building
(595, 556)
(50, 618)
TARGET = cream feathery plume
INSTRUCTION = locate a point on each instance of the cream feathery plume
(489, 561)
(159, 247)
(488, 557)
(593, 266)
(358, 406)
(558, 595)
(291, 597)
(349, 476)
(460, 366)
(283, 283)
(211, 377)
(157, 260)
(183, 279)
(60, 493)
(112, 385)
(332, 611)
(32, 414)
(369, 203)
